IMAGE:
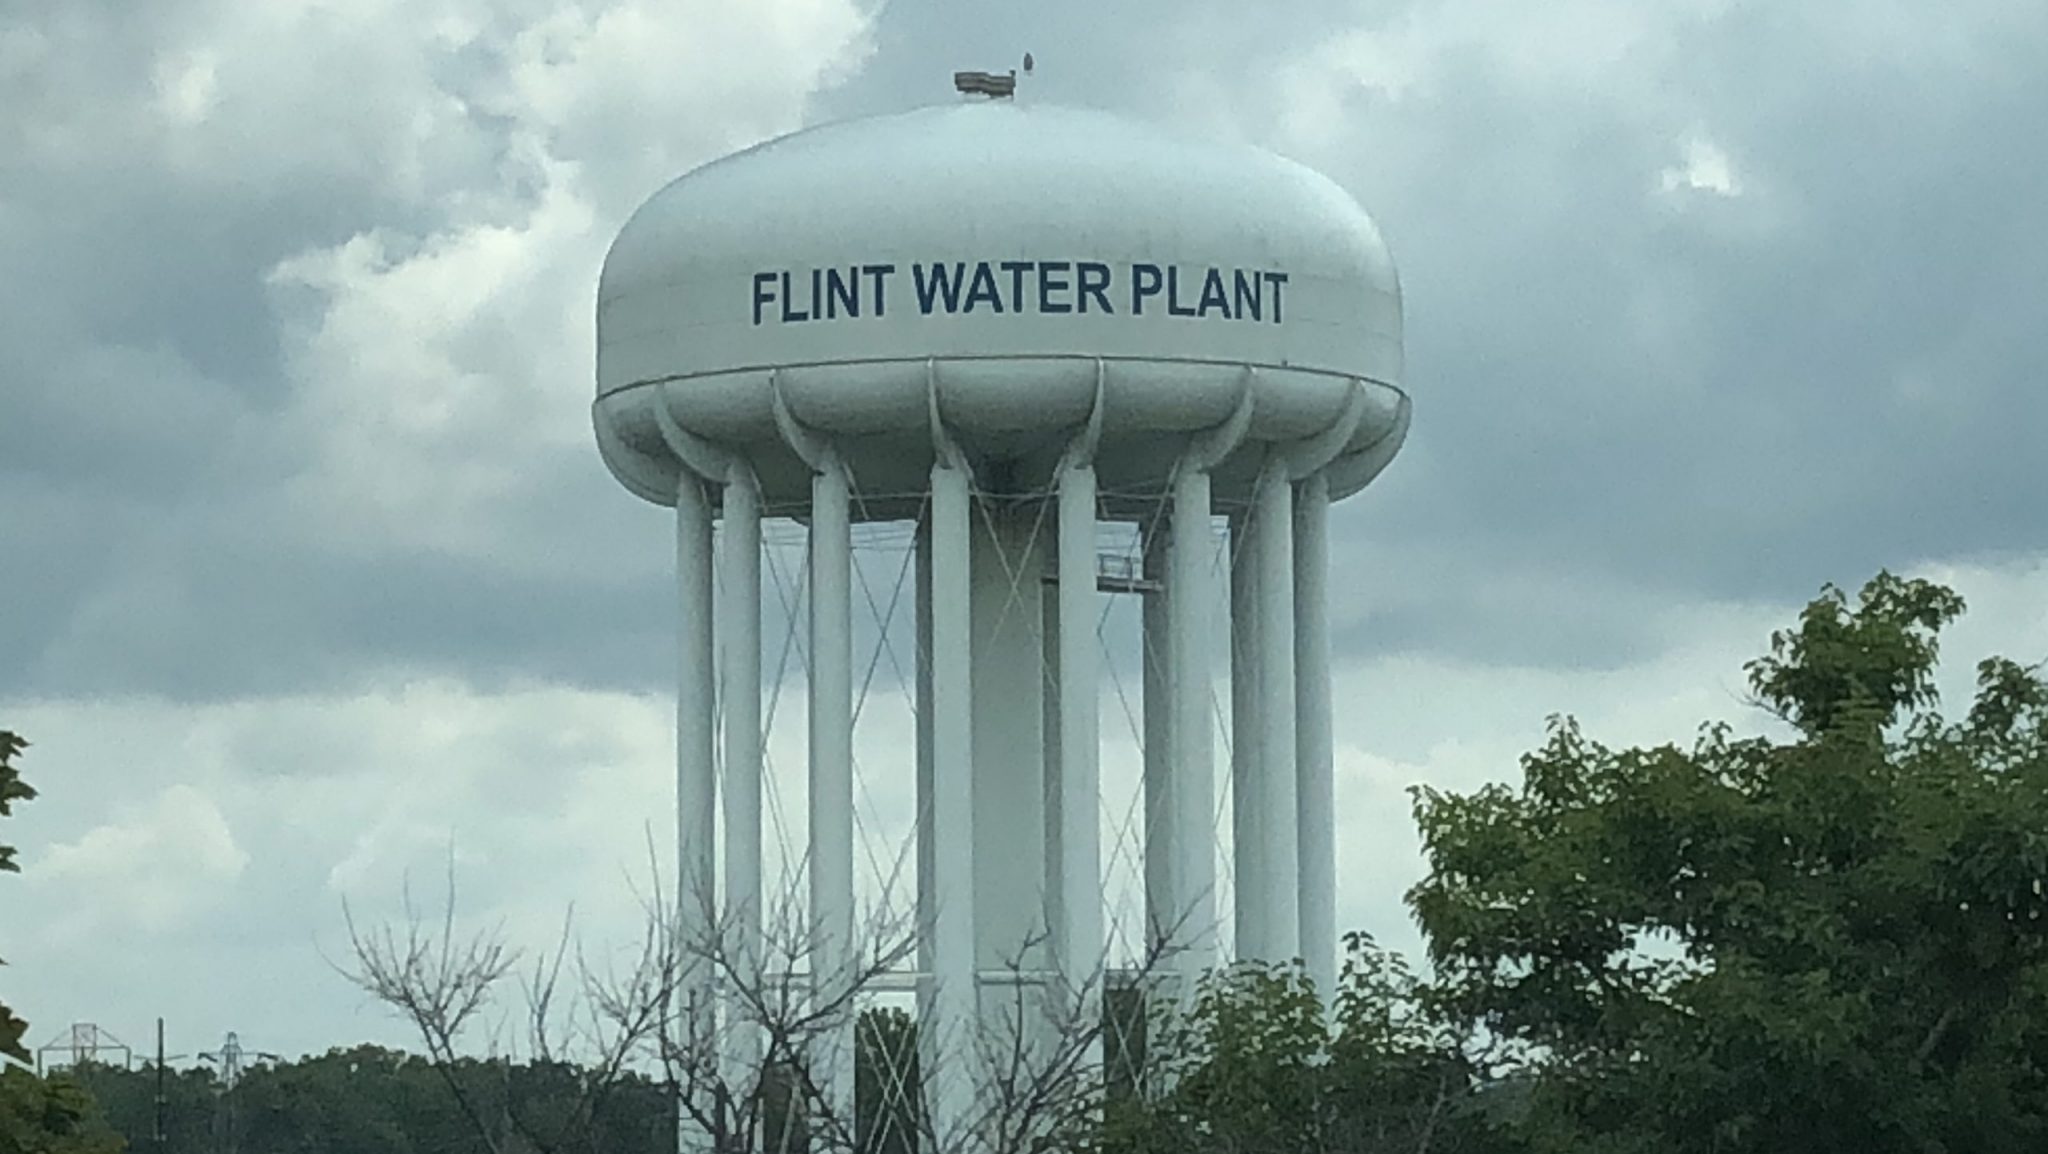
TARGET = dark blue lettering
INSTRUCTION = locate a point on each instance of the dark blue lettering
(1016, 269)
(1052, 278)
(983, 288)
(843, 293)
(1173, 304)
(1249, 300)
(940, 288)
(1213, 295)
(1000, 287)
(1145, 282)
(1276, 279)
(790, 315)
(1094, 283)
(878, 274)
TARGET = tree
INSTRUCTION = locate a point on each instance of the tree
(12, 790)
(1255, 1063)
(128, 1100)
(1833, 940)
(361, 1100)
(37, 1115)
(50, 1116)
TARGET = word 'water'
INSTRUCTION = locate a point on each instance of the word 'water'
(1016, 287)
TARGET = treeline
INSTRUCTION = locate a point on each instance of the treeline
(370, 1100)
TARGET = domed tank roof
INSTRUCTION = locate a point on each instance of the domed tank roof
(1013, 266)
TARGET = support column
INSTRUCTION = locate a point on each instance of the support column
(1009, 555)
(1193, 747)
(1314, 743)
(1247, 831)
(831, 771)
(948, 1014)
(1274, 517)
(1162, 897)
(1054, 802)
(1079, 932)
(742, 620)
(927, 883)
(696, 713)
(696, 767)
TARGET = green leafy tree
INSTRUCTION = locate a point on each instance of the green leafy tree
(1830, 941)
(12, 790)
(371, 1100)
(128, 1100)
(37, 1115)
(1256, 1064)
(50, 1116)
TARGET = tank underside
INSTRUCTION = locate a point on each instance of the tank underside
(1012, 417)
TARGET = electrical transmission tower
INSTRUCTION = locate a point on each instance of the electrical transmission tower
(230, 1062)
(81, 1043)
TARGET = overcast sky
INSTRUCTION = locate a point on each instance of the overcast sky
(309, 568)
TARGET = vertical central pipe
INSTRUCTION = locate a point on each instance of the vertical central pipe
(1274, 537)
(1316, 791)
(696, 765)
(1008, 560)
(1193, 746)
(1079, 933)
(831, 774)
(946, 1030)
(742, 618)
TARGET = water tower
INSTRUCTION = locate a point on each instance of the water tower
(989, 318)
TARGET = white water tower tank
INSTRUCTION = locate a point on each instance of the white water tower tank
(988, 317)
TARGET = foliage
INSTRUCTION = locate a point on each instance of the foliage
(12, 790)
(1834, 941)
(369, 1100)
(1255, 1064)
(128, 1100)
(50, 1116)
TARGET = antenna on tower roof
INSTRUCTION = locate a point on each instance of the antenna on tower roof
(990, 84)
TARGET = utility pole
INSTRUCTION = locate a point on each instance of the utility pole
(159, 1133)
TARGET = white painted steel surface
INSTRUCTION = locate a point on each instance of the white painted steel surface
(946, 822)
(1035, 193)
(1079, 907)
(742, 731)
(831, 767)
(1162, 840)
(1008, 555)
(1273, 594)
(1248, 875)
(696, 770)
(696, 712)
(1314, 749)
(1007, 321)
(1193, 768)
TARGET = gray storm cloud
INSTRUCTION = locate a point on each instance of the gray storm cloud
(1811, 357)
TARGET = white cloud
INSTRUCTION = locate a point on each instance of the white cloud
(148, 869)
(1704, 168)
